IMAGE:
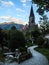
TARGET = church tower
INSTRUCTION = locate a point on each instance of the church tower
(32, 25)
(31, 19)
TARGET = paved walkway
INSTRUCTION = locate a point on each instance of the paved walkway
(37, 59)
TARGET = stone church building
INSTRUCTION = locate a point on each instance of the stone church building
(31, 25)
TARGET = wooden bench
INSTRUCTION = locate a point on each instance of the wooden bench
(24, 57)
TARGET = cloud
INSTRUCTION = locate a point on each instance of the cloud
(12, 19)
(7, 3)
(25, 5)
(23, 1)
(4, 17)
(18, 9)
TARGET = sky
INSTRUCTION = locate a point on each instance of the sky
(17, 11)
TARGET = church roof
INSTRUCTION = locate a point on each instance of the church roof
(31, 11)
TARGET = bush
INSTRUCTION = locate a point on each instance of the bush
(17, 40)
(40, 41)
(35, 34)
(22, 49)
(46, 43)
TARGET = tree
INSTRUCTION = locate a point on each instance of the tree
(28, 35)
(43, 5)
(1, 38)
(17, 40)
(43, 19)
(35, 34)
(12, 28)
(44, 23)
(40, 41)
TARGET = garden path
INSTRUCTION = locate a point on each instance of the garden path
(37, 59)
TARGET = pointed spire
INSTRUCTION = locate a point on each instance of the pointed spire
(31, 12)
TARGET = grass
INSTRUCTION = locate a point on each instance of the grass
(44, 51)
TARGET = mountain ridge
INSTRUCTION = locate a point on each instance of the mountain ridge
(8, 25)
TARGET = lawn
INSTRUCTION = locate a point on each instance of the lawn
(44, 51)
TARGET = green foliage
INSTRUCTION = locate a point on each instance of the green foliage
(2, 58)
(40, 41)
(43, 19)
(23, 49)
(40, 11)
(28, 44)
(27, 35)
(12, 39)
(43, 5)
(13, 28)
(5, 34)
(44, 24)
(35, 34)
(1, 38)
(16, 39)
